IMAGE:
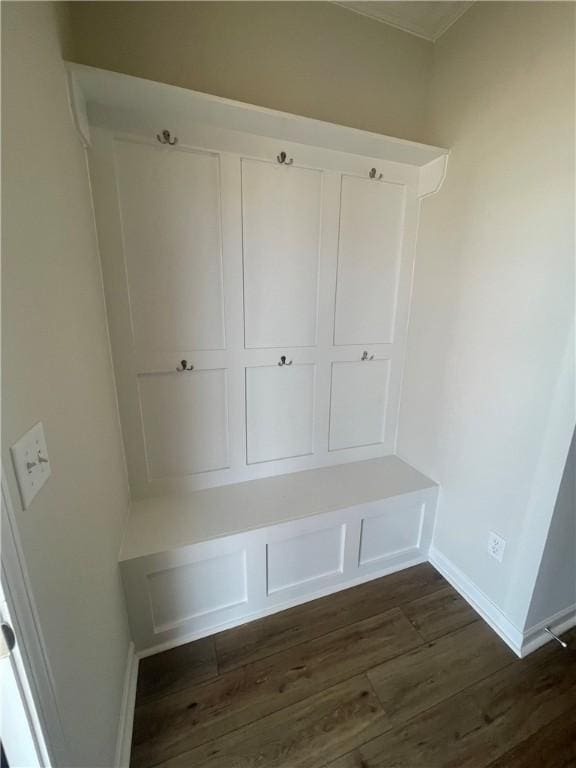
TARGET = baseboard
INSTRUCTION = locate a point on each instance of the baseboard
(492, 615)
(559, 622)
(124, 740)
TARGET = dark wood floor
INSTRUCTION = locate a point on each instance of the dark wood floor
(395, 673)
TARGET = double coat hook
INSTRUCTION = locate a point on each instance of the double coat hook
(284, 362)
(165, 138)
(366, 357)
(283, 159)
(184, 366)
(375, 175)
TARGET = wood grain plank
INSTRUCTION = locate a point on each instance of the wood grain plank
(264, 637)
(478, 725)
(553, 746)
(175, 669)
(304, 735)
(428, 675)
(177, 723)
(440, 613)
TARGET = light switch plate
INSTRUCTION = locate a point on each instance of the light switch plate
(30, 457)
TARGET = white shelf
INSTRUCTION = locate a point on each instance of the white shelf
(99, 96)
(167, 523)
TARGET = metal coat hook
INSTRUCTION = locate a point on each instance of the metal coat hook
(365, 356)
(283, 361)
(373, 175)
(165, 138)
(184, 366)
(283, 159)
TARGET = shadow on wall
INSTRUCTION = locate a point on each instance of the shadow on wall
(556, 583)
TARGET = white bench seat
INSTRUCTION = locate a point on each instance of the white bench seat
(206, 560)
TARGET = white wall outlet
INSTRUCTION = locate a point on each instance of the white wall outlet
(496, 546)
(30, 457)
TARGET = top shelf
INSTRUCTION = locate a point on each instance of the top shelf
(94, 90)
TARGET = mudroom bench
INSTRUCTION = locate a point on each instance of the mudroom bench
(200, 562)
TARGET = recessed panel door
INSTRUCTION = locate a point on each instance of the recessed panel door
(170, 213)
(279, 412)
(185, 422)
(358, 403)
(371, 221)
(281, 232)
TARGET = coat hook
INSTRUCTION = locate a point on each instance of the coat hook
(373, 175)
(184, 366)
(166, 139)
(283, 361)
(283, 159)
(365, 356)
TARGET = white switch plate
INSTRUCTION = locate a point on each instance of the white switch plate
(30, 457)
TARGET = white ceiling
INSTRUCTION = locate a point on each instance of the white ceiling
(425, 19)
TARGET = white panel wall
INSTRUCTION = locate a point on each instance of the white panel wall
(358, 403)
(185, 421)
(281, 226)
(235, 262)
(279, 412)
(171, 224)
(371, 222)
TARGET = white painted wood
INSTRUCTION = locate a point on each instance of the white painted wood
(281, 218)
(384, 534)
(279, 411)
(185, 421)
(126, 724)
(112, 97)
(191, 590)
(189, 607)
(170, 209)
(166, 523)
(175, 596)
(267, 245)
(31, 662)
(358, 403)
(308, 557)
(371, 225)
(492, 615)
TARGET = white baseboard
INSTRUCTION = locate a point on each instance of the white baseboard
(560, 622)
(492, 615)
(521, 642)
(124, 740)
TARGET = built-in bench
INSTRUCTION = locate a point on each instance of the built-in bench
(198, 563)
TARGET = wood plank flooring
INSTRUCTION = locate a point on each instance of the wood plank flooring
(395, 673)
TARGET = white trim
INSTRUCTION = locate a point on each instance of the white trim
(269, 610)
(126, 724)
(110, 97)
(24, 615)
(560, 622)
(492, 615)
(397, 23)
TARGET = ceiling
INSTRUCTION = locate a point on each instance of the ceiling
(425, 19)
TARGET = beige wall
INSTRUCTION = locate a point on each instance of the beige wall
(309, 58)
(56, 368)
(494, 291)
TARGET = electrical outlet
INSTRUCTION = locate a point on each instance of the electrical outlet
(496, 546)
(31, 463)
